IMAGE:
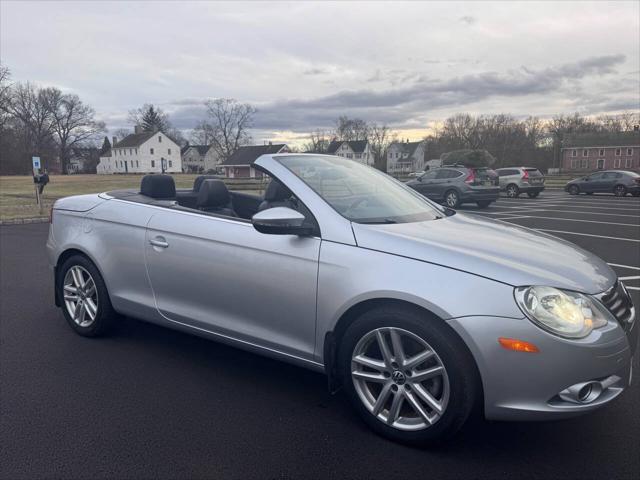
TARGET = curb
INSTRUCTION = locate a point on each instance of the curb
(23, 221)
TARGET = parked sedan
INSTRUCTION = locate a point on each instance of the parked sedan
(618, 182)
(456, 185)
(418, 313)
(517, 180)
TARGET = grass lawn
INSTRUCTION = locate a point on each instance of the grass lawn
(18, 197)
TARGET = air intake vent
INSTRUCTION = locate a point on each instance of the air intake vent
(618, 302)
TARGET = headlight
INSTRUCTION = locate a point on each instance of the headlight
(567, 314)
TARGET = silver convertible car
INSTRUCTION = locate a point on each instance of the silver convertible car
(420, 314)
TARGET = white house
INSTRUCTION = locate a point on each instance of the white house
(358, 150)
(239, 164)
(199, 159)
(405, 157)
(142, 152)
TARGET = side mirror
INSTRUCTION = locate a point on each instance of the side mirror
(280, 221)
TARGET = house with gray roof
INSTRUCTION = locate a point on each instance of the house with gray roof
(199, 159)
(358, 150)
(141, 152)
(601, 151)
(240, 164)
(405, 157)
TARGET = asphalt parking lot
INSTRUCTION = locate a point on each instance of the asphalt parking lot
(150, 402)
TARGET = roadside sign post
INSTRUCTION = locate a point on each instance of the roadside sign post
(35, 161)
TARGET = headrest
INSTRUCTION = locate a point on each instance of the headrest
(276, 192)
(158, 186)
(212, 193)
(197, 183)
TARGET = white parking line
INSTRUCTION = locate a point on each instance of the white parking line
(636, 277)
(586, 221)
(632, 288)
(623, 266)
(511, 218)
(587, 235)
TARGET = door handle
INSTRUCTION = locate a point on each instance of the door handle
(159, 243)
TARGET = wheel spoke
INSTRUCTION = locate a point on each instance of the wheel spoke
(77, 277)
(426, 374)
(416, 406)
(91, 308)
(398, 351)
(77, 310)
(382, 399)
(427, 398)
(418, 359)
(90, 288)
(370, 362)
(396, 404)
(384, 349)
(369, 377)
(70, 289)
(71, 298)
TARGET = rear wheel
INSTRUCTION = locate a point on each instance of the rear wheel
(574, 190)
(84, 297)
(484, 203)
(409, 377)
(512, 191)
(620, 190)
(452, 199)
(533, 194)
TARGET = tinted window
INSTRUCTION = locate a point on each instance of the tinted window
(360, 193)
(612, 175)
(445, 173)
(595, 176)
(429, 175)
(507, 171)
(533, 172)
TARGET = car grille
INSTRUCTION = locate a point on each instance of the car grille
(618, 302)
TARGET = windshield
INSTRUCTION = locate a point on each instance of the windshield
(360, 193)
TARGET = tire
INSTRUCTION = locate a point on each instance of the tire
(452, 199)
(533, 194)
(619, 190)
(484, 203)
(455, 388)
(512, 190)
(94, 300)
(573, 190)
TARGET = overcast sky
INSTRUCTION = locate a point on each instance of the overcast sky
(304, 64)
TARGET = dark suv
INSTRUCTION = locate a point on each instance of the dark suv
(455, 185)
(618, 182)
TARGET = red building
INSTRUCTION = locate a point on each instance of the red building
(601, 151)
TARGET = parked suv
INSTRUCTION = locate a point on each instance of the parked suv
(456, 184)
(618, 182)
(517, 180)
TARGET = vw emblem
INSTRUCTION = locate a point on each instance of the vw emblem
(398, 377)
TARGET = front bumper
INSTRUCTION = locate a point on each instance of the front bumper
(527, 386)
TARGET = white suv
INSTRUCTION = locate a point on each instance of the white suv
(517, 180)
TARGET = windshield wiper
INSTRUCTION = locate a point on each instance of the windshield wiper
(379, 222)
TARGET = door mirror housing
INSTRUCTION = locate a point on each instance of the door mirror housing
(280, 221)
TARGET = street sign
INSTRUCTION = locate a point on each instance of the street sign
(36, 164)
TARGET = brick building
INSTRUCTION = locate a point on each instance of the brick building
(601, 151)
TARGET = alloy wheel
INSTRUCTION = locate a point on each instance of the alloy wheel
(573, 190)
(400, 378)
(512, 191)
(620, 191)
(452, 199)
(80, 296)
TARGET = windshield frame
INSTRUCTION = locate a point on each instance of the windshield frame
(433, 211)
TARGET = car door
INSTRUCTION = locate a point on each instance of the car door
(596, 182)
(609, 180)
(425, 184)
(444, 181)
(220, 275)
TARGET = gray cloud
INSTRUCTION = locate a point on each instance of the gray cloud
(468, 19)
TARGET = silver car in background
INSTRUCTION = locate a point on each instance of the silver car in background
(517, 180)
(419, 313)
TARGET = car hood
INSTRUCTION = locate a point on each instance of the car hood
(494, 249)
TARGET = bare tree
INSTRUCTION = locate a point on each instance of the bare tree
(202, 134)
(348, 129)
(230, 121)
(5, 95)
(380, 137)
(31, 106)
(73, 123)
(121, 133)
(318, 142)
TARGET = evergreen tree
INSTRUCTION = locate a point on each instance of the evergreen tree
(106, 146)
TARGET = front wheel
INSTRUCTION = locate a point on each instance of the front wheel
(574, 190)
(620, 191)
(84, 298)
(407, 375)
(452, 199)
(484, 203)
(512, 191)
